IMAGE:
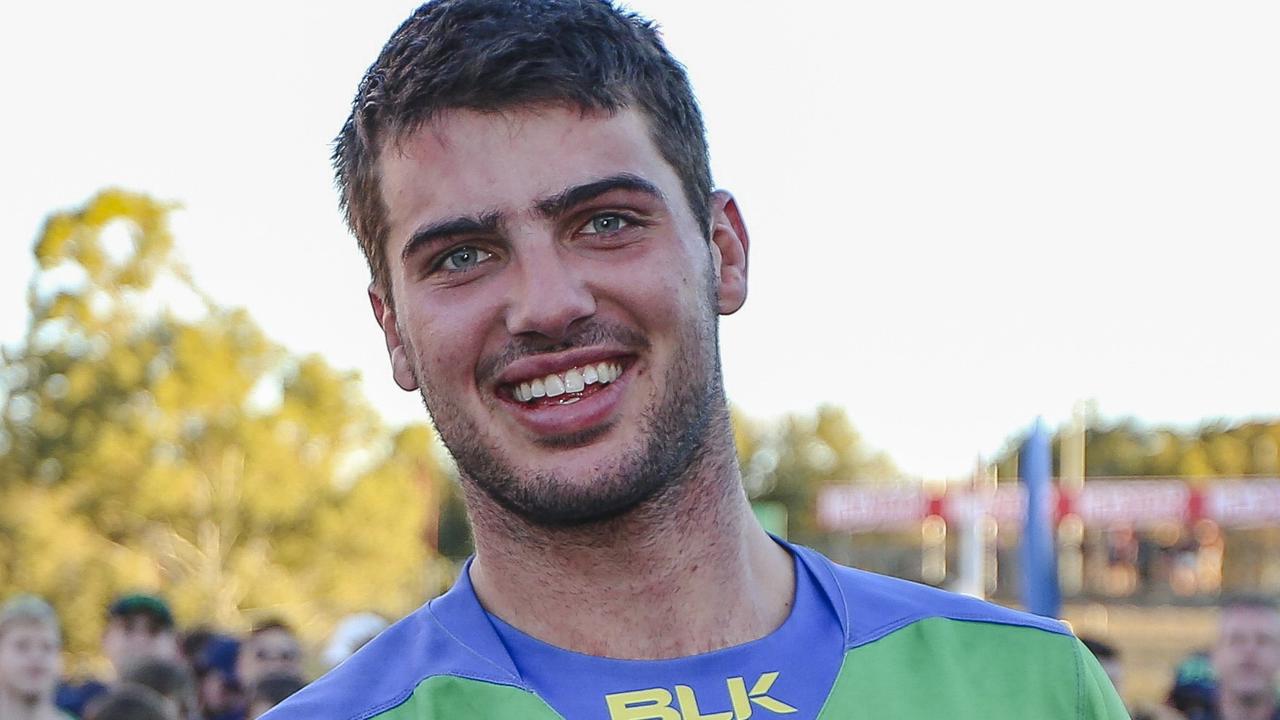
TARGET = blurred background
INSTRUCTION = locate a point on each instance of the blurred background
(964, 217)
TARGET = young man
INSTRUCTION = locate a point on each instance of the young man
(1246, 662)
(270, 648)
(139, 627)
(530, 184)
(30, 660)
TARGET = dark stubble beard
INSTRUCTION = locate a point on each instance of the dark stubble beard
(675, 434)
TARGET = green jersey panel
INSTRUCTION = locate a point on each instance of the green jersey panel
(962, 670)
(445, 698)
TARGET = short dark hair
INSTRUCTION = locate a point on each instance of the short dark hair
(270, 623)
(130, 702)
(169, 678)
(495, 55)
(1100, 649)
(273, 689)
(155, 609)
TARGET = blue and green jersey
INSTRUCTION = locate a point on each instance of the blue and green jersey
(855, 645)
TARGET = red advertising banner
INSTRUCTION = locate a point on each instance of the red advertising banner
(1133, 502)
(1243, 503)
(861, 508)
(1231, 502)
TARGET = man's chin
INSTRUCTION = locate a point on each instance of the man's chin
(573, 441)
(569, 497)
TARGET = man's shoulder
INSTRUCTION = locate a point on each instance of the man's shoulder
(436, 651)
(911, 647)
(873, 606)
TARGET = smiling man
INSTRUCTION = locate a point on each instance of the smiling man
(529, 182)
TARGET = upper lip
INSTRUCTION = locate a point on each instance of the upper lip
(536, 366)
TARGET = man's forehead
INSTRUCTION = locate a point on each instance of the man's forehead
(272, 635)
(472, 162)
(136, 621)
(26, 626)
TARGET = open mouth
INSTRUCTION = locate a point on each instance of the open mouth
(566, 387)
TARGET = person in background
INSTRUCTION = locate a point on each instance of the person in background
(352, 633)
(192, 643)
(30, 660)
(171, 680)
(218, 689)
(139, 626)
(270, 691)
(1246, 661)
(1108, 658)
(1194, 686)
(130, 702)
(271, 648)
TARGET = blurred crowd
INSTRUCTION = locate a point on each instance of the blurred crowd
(158, 672)
(1236, 679)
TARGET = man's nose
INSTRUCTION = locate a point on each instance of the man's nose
(549, 296)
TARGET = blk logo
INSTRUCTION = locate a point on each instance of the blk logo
(661, 704)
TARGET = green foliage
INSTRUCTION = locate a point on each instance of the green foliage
(1129, 449)
(187, 453)
(790, 461)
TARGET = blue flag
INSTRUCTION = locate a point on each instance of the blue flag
(1038, 556)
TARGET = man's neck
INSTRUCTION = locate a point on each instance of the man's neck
(689, 572)
(19, 708)
(1237, 707)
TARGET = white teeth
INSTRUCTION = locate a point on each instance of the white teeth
(572, 381)
(608, 372)
(555, 386)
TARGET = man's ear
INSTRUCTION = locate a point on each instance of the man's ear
(401, 369)
(729, 246)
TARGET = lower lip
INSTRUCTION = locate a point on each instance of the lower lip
(548, 421)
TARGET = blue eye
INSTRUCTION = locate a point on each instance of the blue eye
(464, 258)
(605, 224)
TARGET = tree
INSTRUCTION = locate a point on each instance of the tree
(153, 439)
(1129, 449)
(790, 461)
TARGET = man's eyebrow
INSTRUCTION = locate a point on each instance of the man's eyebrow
(561, 202)
(483, 224)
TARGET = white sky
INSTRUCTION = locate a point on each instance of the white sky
(963, 215)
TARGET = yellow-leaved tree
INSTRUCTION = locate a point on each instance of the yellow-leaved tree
(186, 453)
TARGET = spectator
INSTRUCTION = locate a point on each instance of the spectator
(171, 680)
(1108, 658)
(1246, 660)
(218, 689)
(130, 702)
(351, 635)
(1194, 686)
(139, 626)
(271, 648)
(270, 691)
(192, 644)
(30, 643)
